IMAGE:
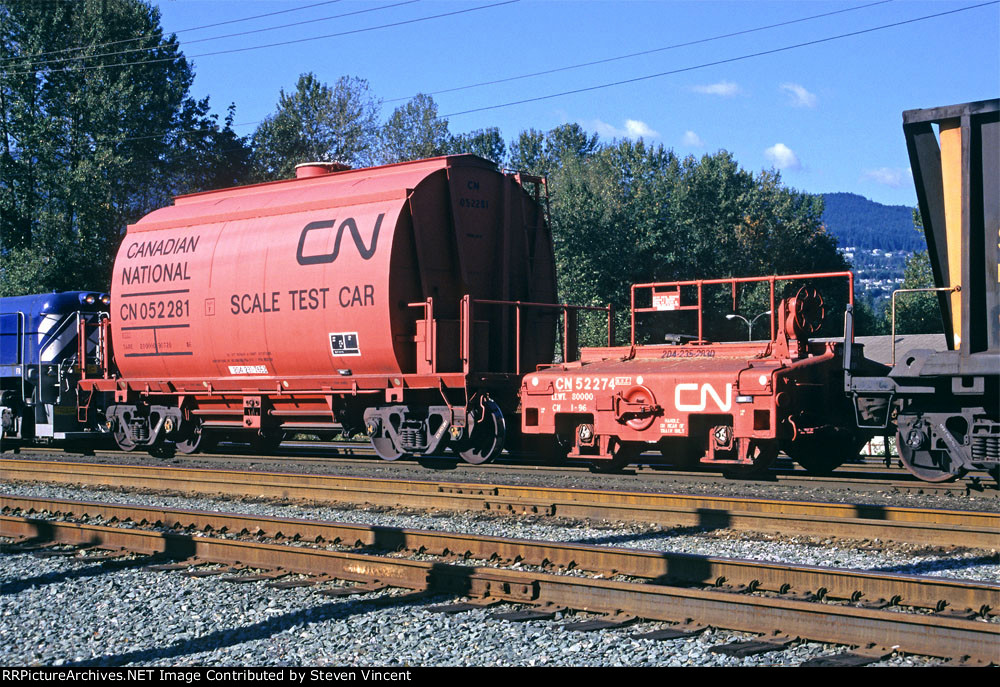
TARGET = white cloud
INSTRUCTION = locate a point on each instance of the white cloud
(800, 97)
(726, 89)
(782, 157)
(692, 140)
(637, 129)
(892, 177)
(634, 129)
(604, 129)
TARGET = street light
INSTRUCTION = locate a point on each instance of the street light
(749, 323)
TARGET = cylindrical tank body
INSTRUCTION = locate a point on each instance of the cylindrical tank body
(315, 276)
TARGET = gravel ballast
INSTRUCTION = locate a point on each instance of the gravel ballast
(885, 557)
(58, 611)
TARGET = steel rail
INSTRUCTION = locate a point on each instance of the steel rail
(338, 450)
(662, 567)
(854, 477)
(907, 632)
(927, 527)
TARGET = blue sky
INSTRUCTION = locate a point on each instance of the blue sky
(827, 115)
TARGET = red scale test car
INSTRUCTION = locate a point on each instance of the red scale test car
(403, 302)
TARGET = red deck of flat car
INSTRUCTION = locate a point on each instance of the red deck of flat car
(728, 404)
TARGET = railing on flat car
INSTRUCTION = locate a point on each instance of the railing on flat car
(466, 320)
(670, 301)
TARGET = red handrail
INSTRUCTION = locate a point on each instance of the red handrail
(699, 283)
(468, 302)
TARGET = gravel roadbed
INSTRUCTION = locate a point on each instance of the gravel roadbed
(873, 556)
(59, 611)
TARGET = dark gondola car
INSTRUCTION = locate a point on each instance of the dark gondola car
(945, 404)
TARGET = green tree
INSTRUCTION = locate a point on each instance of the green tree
(612, 224)
(216, 157)
(93, 137)
(414, 131)
(569, 141)
(916, 313)
(541, 153)
(486, 143)
(866, 321)
(527, 152)
(317, 123)
(633, 213)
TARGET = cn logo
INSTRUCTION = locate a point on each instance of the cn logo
(350, 225)
(697, 402)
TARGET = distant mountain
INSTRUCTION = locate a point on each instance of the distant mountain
(866, 225)
(876, 239)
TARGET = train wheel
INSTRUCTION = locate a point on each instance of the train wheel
(621, 456)
(926, 464)
(268, 442)
(816, 463)
(682, 454)
(545, 448)
(488, 434)
(123, 438)
(385, 449)
(193, 443)
(822, 454)
(762, 453)
(209, 441)
(163, 450)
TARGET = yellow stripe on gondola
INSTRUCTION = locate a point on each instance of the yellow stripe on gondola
(951, 173)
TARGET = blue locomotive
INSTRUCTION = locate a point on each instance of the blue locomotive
(42, 358)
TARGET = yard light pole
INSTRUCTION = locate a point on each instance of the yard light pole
(749, 323)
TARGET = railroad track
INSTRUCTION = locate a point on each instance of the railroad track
(980, 530)
(781, 602)
(868, 476)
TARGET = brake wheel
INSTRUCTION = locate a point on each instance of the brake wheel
(810, 310)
